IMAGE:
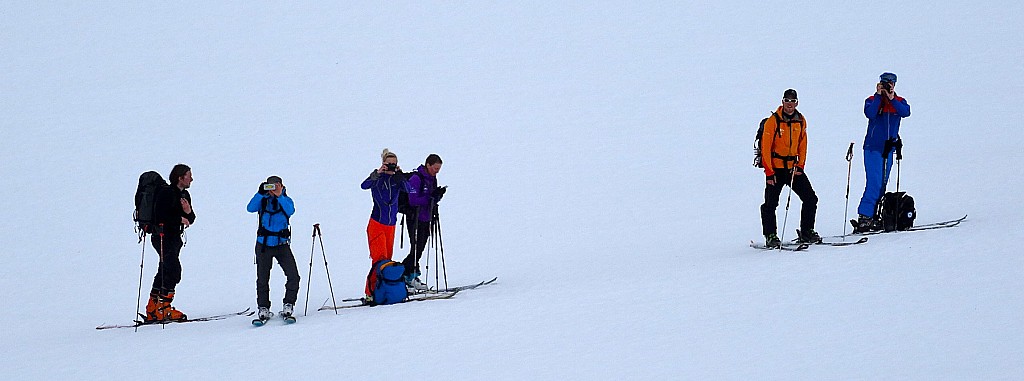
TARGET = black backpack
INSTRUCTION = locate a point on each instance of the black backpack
(403, 198)
(150, 183)
(757, 141)
(896, 211)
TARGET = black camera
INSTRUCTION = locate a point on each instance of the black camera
(886, 86)
(391, 166)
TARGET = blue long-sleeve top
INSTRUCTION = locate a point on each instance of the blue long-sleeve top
(883, 120)
(275, 214)
(384, 189)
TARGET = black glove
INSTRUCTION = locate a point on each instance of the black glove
(261, 190)
(899, 148)
(439, 193)
(374, 175)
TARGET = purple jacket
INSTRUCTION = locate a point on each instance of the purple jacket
(424, 185)
(384, 189)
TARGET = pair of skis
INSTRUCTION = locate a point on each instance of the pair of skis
(417, 296)
(801, 246)
(143, 322)
(289, 319)
(830, 241)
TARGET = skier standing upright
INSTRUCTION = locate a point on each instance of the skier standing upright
(425, 196)
(273, 241)
(884, 110)
(173, 211)
(384, 183)
(783, 155)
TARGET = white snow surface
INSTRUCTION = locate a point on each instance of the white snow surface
(598, 162)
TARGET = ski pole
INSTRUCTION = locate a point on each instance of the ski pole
(161, 269)
(440, 245)
(138, 299)
(309, 274)
(785, 220)
(401, 234)
(326, 268)
(849, 168)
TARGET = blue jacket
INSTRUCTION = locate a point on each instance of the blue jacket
(384, 189)
(275, 214)
(883, 120)
(423, 186)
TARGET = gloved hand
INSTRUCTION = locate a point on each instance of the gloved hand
(770, 180)
(374, 175)
(262, 191)
(438, 193)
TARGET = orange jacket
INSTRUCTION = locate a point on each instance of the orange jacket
(783, 142)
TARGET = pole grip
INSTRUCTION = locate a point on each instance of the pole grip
(849, 152)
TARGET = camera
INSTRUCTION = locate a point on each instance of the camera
(269, 186)
(391, 166)
(886, 86)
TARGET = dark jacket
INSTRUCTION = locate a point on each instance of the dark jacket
(168, 210)
(384, 189)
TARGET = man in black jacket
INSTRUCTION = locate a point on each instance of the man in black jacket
(172, 213)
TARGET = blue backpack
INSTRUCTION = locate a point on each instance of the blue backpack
(390, 287)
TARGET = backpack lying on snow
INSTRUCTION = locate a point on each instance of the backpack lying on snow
(150, 183)
(390, 286)
(896, 211)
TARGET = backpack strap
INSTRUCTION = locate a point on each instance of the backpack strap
(778, 133)
(262, 231)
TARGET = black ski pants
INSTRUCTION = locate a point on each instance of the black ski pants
(419, 234)
(265, 256)
(802, 187)
(168, 274)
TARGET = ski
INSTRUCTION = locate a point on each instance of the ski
(262, 322)
(462, 288)
(140, 323)
(840, 243)
(785, 246)
(411, 298)
(930, 226)
(434, 291)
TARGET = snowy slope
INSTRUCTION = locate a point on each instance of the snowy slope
(598, 159)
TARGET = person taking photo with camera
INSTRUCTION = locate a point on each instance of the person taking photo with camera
(783, 156)
(423, 200)
(385, 184)
(884, 110)
(273, 241)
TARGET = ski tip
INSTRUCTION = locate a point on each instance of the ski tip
(258, 322)
(289, 320)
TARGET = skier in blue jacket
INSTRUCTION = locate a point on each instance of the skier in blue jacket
(884, 109)
(273, 241)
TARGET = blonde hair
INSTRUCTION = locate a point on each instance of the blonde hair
(386, 154)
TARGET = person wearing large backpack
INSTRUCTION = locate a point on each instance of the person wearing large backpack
(884, 110)
(273, 241)
(173, 212)
(385, 184)
(783, 156)
(421, 216)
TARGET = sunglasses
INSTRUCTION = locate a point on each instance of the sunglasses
(787, 100)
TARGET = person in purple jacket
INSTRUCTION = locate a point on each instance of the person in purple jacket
(424, 199)
(884, 110)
